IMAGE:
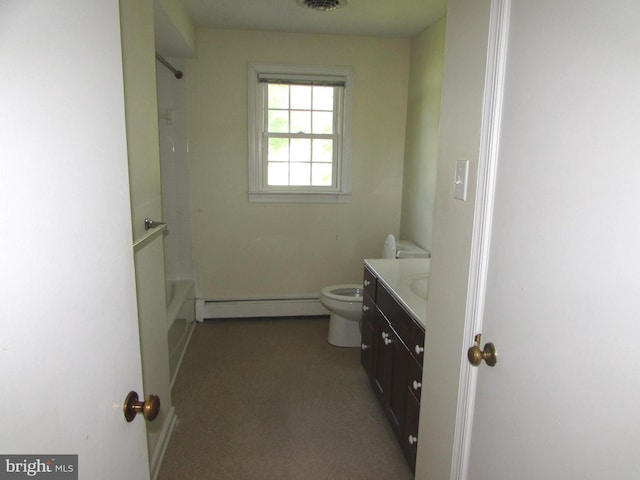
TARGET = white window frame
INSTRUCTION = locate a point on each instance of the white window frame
(259, 191)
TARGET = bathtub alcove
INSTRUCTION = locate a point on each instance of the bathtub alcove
(174, 171)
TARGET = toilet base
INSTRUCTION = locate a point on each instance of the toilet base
(344, 332)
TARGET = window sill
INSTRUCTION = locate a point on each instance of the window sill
(300, 197)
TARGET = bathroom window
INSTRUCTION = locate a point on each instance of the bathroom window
(299, 148)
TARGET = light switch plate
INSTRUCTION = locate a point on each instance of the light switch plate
(460, 185)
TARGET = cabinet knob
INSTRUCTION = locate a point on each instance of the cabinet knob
(365, 308)
(384, 335)
(419, 349)
(367, 283)
(364, 346)
(413, 440)
(417, 385)
(387, 340)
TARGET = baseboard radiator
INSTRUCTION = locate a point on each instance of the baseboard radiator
(283, 306)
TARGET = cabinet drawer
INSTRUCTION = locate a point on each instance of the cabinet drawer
(369, 284)
(400, 320)
(414, 378)
(368, 307)
(416, 343)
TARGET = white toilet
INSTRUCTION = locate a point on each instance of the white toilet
(344, 302)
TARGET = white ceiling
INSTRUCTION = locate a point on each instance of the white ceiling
(397, 18)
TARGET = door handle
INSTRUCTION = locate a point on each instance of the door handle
(489, 353)
(150, 408)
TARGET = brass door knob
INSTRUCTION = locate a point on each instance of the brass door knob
(489, 353)
(150, 408)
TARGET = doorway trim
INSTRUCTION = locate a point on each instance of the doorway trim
(481, 235)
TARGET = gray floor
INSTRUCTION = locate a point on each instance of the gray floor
(271, 399)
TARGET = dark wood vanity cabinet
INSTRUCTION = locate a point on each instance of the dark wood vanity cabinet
(392, 351)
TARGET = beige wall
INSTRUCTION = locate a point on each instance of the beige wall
(244, 249)
(421, 145)
(461, 114)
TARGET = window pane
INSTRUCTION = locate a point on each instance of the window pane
(297, 127)
(300, 150)
(278, 96)
(322, 174)
(323, 151)
(278, 150)
(278, 121)
(300, 97)
(300, 174)
(322, 122)
(278, 174)
(323, 98)
(300, 122)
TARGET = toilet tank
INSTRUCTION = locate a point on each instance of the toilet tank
(402, 249)
(408, 249)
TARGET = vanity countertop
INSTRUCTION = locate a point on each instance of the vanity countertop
(407, 280)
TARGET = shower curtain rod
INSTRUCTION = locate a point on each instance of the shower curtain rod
(177, 73)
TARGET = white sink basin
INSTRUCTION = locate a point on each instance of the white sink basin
(419, 285)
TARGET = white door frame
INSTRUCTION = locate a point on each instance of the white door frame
(481, 234)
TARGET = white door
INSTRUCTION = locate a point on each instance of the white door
(563, 292)
(69, 343)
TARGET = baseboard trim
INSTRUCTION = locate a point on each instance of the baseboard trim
(259, 307)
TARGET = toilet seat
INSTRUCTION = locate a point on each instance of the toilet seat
(350, 292)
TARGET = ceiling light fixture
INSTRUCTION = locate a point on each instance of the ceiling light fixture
(322, 5)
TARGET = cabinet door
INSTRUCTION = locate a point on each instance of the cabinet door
(397, 397)
(383, 357)
(409, 439)
(391, 374)
(367, 354)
